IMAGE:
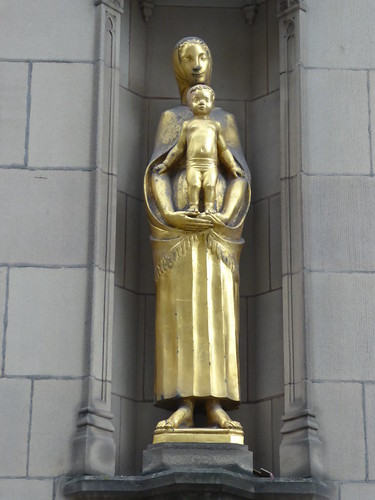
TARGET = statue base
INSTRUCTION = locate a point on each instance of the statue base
(182, 456)
(199, 435)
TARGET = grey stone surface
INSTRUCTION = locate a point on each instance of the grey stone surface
(54, 420)
(341, 320)
(213, 484)
(26, 489)
(216, 27)
(260, 438)
(149, 349)
(342, 458)
(132, 152)
(120, 239)
(61, 115)
(3, 299)
(277, 412)
(369, 412)
(125, 45)
(258, 58)
(358, 491)
(263, 145)
(243, 348)
(147, 418)
(36, 34)
(172, 456)
(13, 96)
(254, 264)
(52, 208)
(127, 464)
(338, 211)
(51, 341)
(132, 243)
(125, 343)
(14, 424)
(337, 100)
(138, 49)
(273, 46)
(265, 348)
(275, 241)
(343, 37)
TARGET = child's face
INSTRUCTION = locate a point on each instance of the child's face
(201, 102)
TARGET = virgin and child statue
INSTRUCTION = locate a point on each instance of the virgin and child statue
(197, 192)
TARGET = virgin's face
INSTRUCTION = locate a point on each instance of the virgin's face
(194, 63)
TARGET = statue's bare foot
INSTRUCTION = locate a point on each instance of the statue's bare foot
(181, 417)
(193, 210)
(217, 416)
(210, 211)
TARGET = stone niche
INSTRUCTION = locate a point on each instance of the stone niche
(243, 37)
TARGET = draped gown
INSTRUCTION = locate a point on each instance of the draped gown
(197, 281)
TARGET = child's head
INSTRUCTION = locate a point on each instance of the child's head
(201, 99)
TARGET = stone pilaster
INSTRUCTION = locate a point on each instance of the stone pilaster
(93, 445)
(300, 447)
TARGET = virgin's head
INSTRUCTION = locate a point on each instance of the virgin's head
(192, 64)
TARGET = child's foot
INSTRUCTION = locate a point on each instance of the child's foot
(210, 211)
(193, 209)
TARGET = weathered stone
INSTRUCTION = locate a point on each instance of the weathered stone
(54, 417)
(61, 115)
(13, 95)
(29, 31)
(53, 208)
(14, 418)
(172, 456)
(210, 483)
(51, 342)
(26, 489)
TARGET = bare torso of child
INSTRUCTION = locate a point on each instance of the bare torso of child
(201, 138)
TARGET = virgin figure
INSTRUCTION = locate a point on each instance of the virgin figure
(196, 261)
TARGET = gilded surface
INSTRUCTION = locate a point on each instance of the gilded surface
(196, 257)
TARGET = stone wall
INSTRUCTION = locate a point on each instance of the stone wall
(338, 189)
(46, 93)
(246, 82)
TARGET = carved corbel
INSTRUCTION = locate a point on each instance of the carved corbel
(117, 5)
(250, 9)
(288, 6)
(147, 8)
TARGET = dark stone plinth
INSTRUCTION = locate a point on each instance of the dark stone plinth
(199, 483)
(170, 456)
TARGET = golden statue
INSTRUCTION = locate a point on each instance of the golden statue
(197, 192)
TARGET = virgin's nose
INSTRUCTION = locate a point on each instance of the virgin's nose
(197, 68)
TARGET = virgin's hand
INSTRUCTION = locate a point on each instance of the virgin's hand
(181, 220)
(238, 172)
(160, 169)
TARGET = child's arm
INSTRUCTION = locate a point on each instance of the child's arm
(175, 153)
(226, 156)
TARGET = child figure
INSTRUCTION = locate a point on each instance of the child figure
(203, 142)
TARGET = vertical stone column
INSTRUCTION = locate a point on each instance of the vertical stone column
(93, 445)
(300, 447)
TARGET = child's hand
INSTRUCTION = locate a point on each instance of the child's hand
(237, 172)
(161, 168)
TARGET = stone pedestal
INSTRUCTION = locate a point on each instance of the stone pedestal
(184, 456)
(189, 471)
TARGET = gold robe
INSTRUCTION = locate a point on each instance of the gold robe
(197, 282)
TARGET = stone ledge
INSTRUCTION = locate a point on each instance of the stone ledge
(195, 483)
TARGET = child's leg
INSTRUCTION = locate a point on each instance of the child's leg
(209, 189)
(194, 182)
